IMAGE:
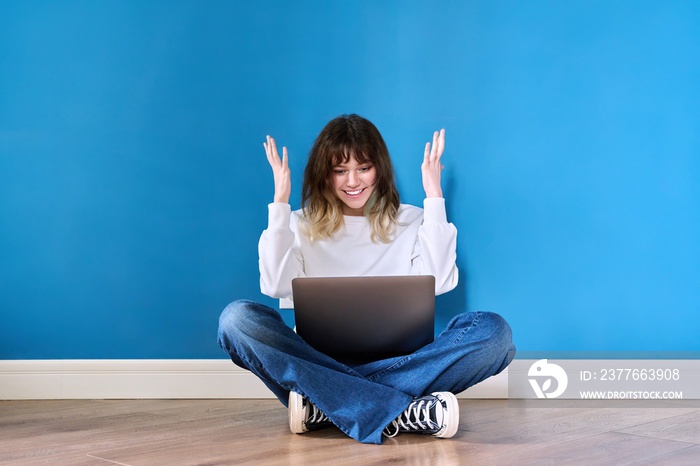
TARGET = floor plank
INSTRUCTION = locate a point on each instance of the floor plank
(684, 427)
(604, 448)
(686, 457)
(223, 432)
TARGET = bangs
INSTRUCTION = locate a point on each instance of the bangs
(343, 155)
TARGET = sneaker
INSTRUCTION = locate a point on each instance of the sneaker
(436, 414)
(304, 415)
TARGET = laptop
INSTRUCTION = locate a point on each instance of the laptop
(362, 319)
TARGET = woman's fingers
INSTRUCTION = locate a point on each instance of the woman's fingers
(438, 144)
(436, 137)
(280, 169)
(273, 157)
(434, 150)
(431, 167)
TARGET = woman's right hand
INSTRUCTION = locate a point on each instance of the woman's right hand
(280, 170)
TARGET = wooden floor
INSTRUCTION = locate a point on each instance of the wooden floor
(218, 432)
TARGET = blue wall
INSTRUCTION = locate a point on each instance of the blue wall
(133, 183)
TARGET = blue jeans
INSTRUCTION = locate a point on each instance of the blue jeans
(362, 400)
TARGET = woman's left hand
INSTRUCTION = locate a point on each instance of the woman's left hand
(431, 166)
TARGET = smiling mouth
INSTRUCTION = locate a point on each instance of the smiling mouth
(354, 193)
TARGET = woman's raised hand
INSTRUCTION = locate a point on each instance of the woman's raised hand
(431, 167)
(280, 170)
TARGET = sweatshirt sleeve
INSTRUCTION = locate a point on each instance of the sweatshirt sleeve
(435, 252)
(278, 253)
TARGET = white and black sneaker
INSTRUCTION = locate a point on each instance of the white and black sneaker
(436, 414)
(304, 415)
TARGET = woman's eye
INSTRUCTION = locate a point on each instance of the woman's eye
(364, 169)
(338, 171)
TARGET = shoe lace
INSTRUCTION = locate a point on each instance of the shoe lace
(316, 416)
(415, 417)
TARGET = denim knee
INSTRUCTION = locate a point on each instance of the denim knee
(501, 335)
(233, 314)
(244, 320)
(234, 319)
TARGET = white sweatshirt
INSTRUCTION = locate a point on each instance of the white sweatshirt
(424, 244)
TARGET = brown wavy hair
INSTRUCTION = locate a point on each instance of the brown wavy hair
(344, 137)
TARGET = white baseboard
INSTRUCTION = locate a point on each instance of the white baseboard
(153, 378)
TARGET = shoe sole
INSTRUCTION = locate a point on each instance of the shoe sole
(297, 413)
(451, 422)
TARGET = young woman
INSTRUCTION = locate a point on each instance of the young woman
(353, 224)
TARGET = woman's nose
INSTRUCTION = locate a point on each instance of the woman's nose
(353, 179)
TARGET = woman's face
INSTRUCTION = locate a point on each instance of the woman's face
(353, 183)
